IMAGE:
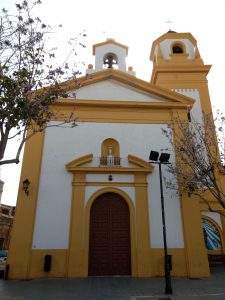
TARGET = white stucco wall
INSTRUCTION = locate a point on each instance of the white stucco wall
(165, 47)
(196, 111)
(112, 90)
(62, 145)
(104, 177)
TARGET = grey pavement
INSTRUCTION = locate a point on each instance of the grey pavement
(116, 288)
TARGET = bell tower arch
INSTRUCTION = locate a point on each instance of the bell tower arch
(177, 65)
(110, 54)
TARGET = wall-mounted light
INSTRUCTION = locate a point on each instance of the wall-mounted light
(26, 184)
(110, 178)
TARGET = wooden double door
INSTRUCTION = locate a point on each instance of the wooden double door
(109, 240)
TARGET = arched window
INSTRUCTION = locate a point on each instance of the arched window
(110, 153)
(212, 235)
(177, 48)
(110, 61)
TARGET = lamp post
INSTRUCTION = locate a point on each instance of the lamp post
(163, 160)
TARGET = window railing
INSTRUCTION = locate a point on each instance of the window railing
(110, 161)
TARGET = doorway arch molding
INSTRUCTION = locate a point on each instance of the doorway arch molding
(133, 232)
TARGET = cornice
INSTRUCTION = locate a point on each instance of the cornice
(173, 69)
(78, 165)
(109, 41)
(119, 104)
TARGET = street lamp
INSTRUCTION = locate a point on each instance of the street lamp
(163, 159)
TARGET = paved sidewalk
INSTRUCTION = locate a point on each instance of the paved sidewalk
(115, 288)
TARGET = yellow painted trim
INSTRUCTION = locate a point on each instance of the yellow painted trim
(110, 183)
(109, 111)
(70, 103)
(144, 260)
(119, 104)
(76, 258)
(178, 261)
(140, 162)
(142, 166)
(195, 251)
(110, 143)
(223, 230)
(19, 256)
(119, 170)
(178, 69)
(79, 161)
(109, 41)
(59, 259)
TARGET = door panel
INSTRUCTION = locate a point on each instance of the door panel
(109, 242)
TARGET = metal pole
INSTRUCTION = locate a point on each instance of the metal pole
(167, 265)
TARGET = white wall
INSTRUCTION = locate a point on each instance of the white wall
(100, 52)
(112, 90)
(62, 145)
(196, 111)
(104, 177)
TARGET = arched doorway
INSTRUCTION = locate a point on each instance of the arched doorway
(109, 238)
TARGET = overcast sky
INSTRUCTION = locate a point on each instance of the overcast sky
(135, 24)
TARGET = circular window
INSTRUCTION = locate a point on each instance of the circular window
(211, 235)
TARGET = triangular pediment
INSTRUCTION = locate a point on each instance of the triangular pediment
(117, 85)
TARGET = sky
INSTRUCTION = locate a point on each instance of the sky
(136, 24)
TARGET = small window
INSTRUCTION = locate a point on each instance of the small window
(177, 49)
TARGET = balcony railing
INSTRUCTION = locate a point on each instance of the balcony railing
(110, 161)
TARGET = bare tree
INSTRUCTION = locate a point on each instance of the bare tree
(29, 77)
(199, 149)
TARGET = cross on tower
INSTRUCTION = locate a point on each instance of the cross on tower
(169, 23)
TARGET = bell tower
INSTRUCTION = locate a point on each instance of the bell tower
(177, 65)
(110, 54)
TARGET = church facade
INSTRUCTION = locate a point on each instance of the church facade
(93, 207)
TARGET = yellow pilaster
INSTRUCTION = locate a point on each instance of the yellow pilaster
(223, 230)
(142, 225)
(196, 254)
(23, 226)
(76, 258)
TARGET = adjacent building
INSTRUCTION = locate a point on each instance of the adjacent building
(6, 221)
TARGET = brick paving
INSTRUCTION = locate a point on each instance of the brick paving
(115, 288)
